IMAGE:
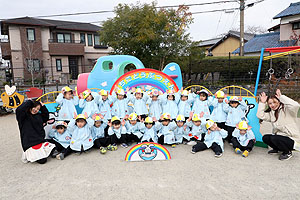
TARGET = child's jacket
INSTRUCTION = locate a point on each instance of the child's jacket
(63, 139)
(90, 107)
(117, 132)
(215, 136)
(67, 107)
(136, 129)
(218, 114)
(243, 139)
(235, 115)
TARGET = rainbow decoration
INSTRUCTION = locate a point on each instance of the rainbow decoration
(148, 77)
(147, 151)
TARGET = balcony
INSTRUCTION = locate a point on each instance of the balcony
(5, 48)
(65, 47)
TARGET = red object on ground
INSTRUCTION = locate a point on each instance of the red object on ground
(34, 92)
(282, 49)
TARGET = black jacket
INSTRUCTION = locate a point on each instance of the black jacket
(31, 126)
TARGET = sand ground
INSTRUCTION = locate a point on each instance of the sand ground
(185, 176)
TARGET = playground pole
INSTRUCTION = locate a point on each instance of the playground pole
(259, 69)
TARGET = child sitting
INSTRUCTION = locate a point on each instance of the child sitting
(243, 139)
(202, 104)
(235, 113)
(61, 137)
(120, 103)
(197, 132)
(166, 133)
(67, 104)
(134, 128)
(104, 103)
(219, 115)
(150, 130)
(81, 129)
(185, 102)
(154, 102)
(169, 103)
(100, 141)
(117, 133)
(213, 139)
(88, 101)
(182, 131)
(139, 101)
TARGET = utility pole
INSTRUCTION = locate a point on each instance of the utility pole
(242, 27)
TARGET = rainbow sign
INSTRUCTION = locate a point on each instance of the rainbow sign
(147, 151)
(148, 77)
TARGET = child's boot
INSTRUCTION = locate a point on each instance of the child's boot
(237, 150)
(245, 154)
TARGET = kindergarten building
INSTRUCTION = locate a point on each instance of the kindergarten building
(53, 50)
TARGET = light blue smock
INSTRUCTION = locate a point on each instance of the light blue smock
(235, 115)
(120, 107)
(98, 132)
(215, 136)
(170, 106)
(67, 107)
(90, 107)
(196, 131)
(136, 129)
(180, 133)
(151, 133)
(63, 139)
(168, 133)
(81, 136)
(243, 139)
(139, 105)
(202, 106)
(104, 107)
(155, 108)
(185, 107)
(218, 114)
(118, 132)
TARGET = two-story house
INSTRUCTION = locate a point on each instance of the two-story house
(285, 34)
(51, 50)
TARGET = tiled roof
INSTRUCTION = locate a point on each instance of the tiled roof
(58, 24)
(293, 9)
(268, 40)
(209, 42)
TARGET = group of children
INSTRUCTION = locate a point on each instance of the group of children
(168, 119)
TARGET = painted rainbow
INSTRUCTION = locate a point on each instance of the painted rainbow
(158, 147)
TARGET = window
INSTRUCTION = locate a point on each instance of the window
(33, 65)
(82, 38)
(30, 34)
(58, 65)
(97, 40)
(296, 25)
(64, 37)
(90, 39)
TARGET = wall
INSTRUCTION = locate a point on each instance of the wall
(286, 27)
(228, 45)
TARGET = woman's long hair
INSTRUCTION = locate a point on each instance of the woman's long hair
(34, 104)
(281, 106)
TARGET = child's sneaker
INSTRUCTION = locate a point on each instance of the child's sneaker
(128, 144)
(273, 151)
(124, 145)
(193, 152)
(173, 145)
(103, 150)
(112, 147)
(218, 154)
(237, 150)
(60, 156)
(192, 143)
(245, 154)
(54, 154)
(285, 156)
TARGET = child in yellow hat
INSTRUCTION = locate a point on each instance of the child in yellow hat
(196, 123)
(243, 139)
(67, 100)
(88, 101)
(117, 133)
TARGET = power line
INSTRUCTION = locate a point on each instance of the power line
(209, 11)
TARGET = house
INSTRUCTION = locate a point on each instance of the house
(51, 50)
(224, 45)
(285, 34)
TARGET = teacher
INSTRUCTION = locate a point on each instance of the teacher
(31, 117)
(282, 112)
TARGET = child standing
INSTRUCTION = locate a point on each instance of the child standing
(169, 103)
(139, 101)
(67, 103)
(80, 127)
(155, 108)
(185, 102)
(182, 131)
(197, 132)
(243, 139)
(88, 101)
(117, 133)
(218, 114)
(120, 103)
(100, 141)
(202, 104)
(134, 128)
(104, 103)
(213, 139)
(61, 137)
(150, 130)
(166, 133)
(235, 110)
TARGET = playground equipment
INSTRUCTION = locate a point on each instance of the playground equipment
(10, 98)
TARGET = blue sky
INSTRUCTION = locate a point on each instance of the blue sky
(205, 26)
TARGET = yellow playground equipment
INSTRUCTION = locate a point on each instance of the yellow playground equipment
(198, 86)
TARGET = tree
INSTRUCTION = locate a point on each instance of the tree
(150, 34)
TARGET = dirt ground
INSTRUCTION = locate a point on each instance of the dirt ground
(185, 176)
